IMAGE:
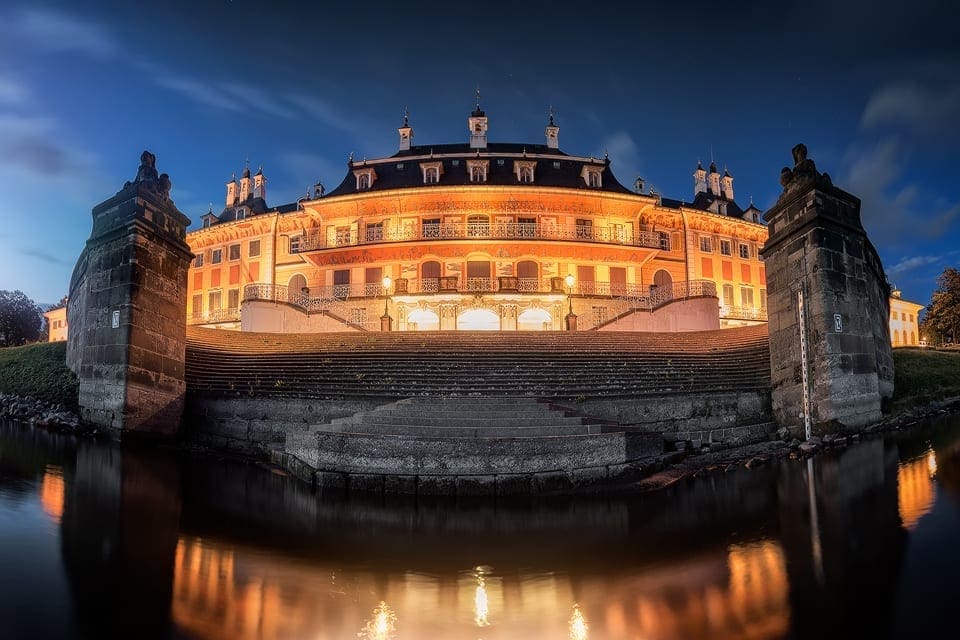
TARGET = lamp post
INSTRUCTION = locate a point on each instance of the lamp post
(386, 322)
(571, 318)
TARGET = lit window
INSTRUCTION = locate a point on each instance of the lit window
(233, 252)
(726, 248)
(400, 166)
(254, 249)
(499, 162)
(664, 240)
(728, 295)
(746, 297)
(216, 256)
(455, 163)
(556, 164)
(198, 260)
(233, 298)
(744, 251)
(706, 244)
(214, 301)
(431, 176)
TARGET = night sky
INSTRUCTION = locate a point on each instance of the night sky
(872, 88)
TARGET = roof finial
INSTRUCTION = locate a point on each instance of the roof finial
(751, 201)
(406, 116)
(478, 97)
(551, 115)
(350, 159)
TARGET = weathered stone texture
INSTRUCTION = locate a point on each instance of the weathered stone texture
(135, 265)
(818, 245)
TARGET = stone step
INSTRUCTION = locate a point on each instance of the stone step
(457, 431)
(477, 421)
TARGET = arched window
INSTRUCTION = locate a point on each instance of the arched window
(363, 181)
(431, 176)
(593, 179)
(526, 174)
(662, 279)
(913, 338)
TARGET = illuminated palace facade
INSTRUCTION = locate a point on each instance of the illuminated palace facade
(479, 235)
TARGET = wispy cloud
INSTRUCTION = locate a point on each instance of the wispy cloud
(894, 211)
(60, 32)
(43, 255)
(911, 263)
(921, 109)
(198, 91)
(624, 155)
(327, 114)
(12, 92)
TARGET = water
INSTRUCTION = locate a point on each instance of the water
(96, 542)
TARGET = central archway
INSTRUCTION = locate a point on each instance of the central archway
(423, 320)
(478, 320)
(534, 320)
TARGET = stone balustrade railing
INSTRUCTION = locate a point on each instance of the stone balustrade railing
(214, 316)
(483, 231)
(742, 313)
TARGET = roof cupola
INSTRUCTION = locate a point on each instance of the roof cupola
(552, 132)
(478, 124)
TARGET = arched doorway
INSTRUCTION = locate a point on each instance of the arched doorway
(423, 320)
(478, 320)
(534, 320)
(295, 290)
(662, 279)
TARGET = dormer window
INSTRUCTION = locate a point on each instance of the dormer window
(431, 172)
(241, 213)
(206, 222)
(365, 178)
(523, 169)
(477, 170)
(591, 175)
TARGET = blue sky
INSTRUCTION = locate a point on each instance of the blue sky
(872, 88)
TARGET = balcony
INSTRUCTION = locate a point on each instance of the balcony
(743, 313)
(215, 316)
(482, 231)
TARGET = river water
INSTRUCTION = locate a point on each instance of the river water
(96, 541)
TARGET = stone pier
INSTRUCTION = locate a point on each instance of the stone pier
(127, 311)
(818, 247)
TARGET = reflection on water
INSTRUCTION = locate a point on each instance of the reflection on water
(158, 546)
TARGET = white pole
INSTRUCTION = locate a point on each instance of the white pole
(803, 365)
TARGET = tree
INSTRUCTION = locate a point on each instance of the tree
(20, 319)
(943, 313)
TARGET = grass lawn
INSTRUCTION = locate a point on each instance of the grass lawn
(923, 375)
(39, 371)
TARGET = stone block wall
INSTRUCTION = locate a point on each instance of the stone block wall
(817, 245)
(128, 304)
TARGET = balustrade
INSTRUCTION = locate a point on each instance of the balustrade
(482, 230)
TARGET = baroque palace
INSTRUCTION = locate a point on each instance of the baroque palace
(479, 235)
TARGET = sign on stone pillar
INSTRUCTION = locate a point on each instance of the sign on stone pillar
(817, 246)
(127, 315)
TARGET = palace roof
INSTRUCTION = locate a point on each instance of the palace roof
(553, 168)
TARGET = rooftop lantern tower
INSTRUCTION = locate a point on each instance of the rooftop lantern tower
(552, 133)
(477, 122)
(406, 132)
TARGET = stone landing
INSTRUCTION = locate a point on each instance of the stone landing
(818, 248)
(467, 446)
(127, 310)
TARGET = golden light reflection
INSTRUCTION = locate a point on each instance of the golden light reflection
(52, 492)
(480, 604)
(915, 489)
(578, 625)
(383, 624)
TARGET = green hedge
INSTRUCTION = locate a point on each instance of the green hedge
(39, 371)
(923, 375)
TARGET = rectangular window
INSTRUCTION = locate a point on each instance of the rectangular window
(341, 276)
(233, 298)
(763, 299)
(197, 304)
(726, 249)
(253, 249)
(599, 315)
(728, 295)
(198, 260)
(664, 240)
(706, 244)
(478, 269)
(584, 229)
(373, 275)
(342, 235)
(214, 301)
(745, 251)
(216, 257)
(556, 164)
(233, 251)
(294, 244)
(374, 231)
(527, 227)
(746, 297)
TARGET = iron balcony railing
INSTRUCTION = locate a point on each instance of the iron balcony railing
(484, 231)
(653, 297)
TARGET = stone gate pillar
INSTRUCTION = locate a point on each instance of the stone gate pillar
(128, 310)
(817, 246)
